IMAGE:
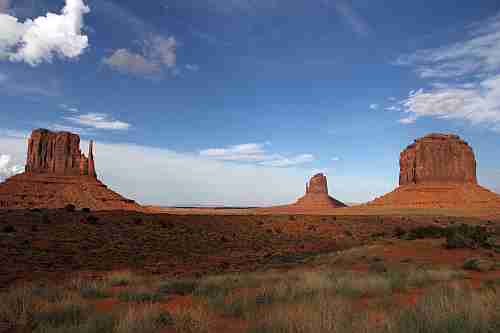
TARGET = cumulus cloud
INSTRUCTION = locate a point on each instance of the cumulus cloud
(159, 55)
(256, 153)
(7, 168)
(39, 40)
(465, 79)
(98, 121)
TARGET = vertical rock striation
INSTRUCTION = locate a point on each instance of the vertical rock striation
(57, 173)
(58, 153)
(438, 171)
(317, 196)
(438, 158)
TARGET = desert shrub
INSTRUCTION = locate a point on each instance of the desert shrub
(70, 208)
(492, 284)
(91, 219)
(45, 219)
(477, 264)
(86, 210)
(139, 296)
(467, 236)
(120, 279)
(178, 287)
(424, 232)
(8, 229)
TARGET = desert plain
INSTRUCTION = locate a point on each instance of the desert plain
(77, 257)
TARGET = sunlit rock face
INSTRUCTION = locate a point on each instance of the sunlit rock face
(439, 171)
(58, 174)
(58, 153)
(438, 158)
(317, 196)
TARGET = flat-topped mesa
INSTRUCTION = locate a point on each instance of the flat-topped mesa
(438, 158)
(438, 171)
(58, 153)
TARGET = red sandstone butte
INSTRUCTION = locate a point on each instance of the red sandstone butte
(439, 171)
(316, 199)
(317, 196)
(57, 174)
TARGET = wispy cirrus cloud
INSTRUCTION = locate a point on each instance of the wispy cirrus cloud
(357, 23)
(463, 79)
(255, 153)
(101, 121)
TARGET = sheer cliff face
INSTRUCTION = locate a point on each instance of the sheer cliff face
(317, 184)
(57, 153)
(438, 158)
(58, 174)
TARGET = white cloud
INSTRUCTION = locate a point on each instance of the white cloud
(256, 153)
(7, 168)
(126, 61)
(476, 55)
(480, 105)
(68, 108)
(335, 159)
(159, 55)
(282, 162)
(374, 106)
(393, 108)
(39, 40)
(98, 121)
(465, 79)
(143, 173)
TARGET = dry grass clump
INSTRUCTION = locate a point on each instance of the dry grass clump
(450, 309)
(146, 319)
(197, 318)
(321, 313)
(140, 296)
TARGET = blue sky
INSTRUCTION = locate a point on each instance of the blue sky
(238, 102)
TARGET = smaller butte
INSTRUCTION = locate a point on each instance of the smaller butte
(316, 198)
(439, 171)
(58, 174)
